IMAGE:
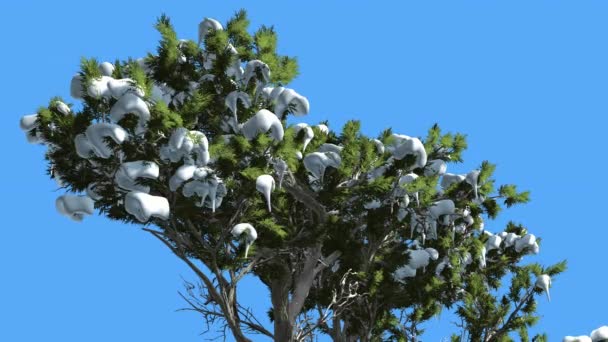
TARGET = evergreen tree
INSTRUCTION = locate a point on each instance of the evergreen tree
(359, 238)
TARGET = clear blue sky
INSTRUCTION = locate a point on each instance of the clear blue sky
(525, 80)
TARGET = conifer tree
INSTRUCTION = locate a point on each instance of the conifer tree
(359, 238)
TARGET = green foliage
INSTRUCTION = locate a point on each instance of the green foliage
(373, 242)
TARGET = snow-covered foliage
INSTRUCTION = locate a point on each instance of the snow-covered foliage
(195, 138)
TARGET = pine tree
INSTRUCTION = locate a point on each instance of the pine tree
(359, 238)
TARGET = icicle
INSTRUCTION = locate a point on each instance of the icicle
(74, 207)
(144, 206)
(265, 185)
(600, 334)
(543, 282)
(62, 108)
(289, 97)
(250, 234)
(250, 71)
(309, 134)
(281, 168)
(96, 133)
(208, 24)
(472, 178)
(106, 68)
(413, 223)
(262, 122)
(440, 208)
(131, 103)
(206, 185)
(483, 257)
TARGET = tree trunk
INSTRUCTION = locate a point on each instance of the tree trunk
(279, 293)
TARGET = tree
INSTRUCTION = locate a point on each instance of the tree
(355, 237)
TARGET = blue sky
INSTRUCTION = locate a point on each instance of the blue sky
(525, 80)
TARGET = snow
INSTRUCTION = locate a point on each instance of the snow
(262, 122)
(599, 334)
(510, 239)
(28, 122)
(581, 338)
(280, 168)
(309, 134)
(76, 87)
(99, 87)
(211, 187)
(323, 128)
(83, 146)
(527, 241)
(288, 98)
(379, 146)
(449, 178)
(207, 25)
(265, 184)
(120, 87)
(62, 108)
(96, 133)
(182, 174)
(250, 72)
(472, 178)
(317, 162)
(143, 206)
(405, 145)
(233, 97)
(250, 234)
(162, 92)
(90, 191)
(404, 272)
(184, 144)
(131, 103)
(327, 147)
(127, 174)
(276, 92)
(74, 207)
(436, 167)
(374, 204)
(106, 68)
(544, 282)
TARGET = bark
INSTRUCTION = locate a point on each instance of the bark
(279, 294)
